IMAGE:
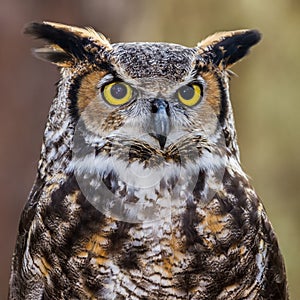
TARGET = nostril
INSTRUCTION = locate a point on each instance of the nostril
(159, 104)
(154, 109)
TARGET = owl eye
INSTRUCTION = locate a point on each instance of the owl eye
(117, 93)
(190, 95)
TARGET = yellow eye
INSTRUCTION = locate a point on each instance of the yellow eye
(190, 95)
(117, 93)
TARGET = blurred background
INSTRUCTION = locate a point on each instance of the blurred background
(265, 96)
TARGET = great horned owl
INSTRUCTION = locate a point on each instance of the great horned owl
(139, 192)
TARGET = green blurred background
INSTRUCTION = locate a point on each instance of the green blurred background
(265, 95)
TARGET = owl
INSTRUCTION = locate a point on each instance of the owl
(139, 192)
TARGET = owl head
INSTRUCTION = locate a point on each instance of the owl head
(135, 107)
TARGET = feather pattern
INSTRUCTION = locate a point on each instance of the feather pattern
(129, 205)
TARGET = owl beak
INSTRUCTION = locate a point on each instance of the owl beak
(160, 121)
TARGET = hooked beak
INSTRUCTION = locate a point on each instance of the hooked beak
(160, 121)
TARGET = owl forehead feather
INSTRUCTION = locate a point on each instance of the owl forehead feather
(154, 60)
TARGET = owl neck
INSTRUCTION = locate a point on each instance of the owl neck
(136, 190)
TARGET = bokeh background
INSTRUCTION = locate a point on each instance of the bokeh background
(265, 96)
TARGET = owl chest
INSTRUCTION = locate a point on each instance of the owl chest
(172, 260)
(135, 261)
(183, 243)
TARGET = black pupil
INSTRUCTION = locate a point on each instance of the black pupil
(118, 91)
(187, 92)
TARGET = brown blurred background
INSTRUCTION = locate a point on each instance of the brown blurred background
(265, 96)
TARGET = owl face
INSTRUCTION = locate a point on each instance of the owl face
(146, 115)
(153, 93)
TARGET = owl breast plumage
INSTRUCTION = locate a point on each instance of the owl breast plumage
(139, 192)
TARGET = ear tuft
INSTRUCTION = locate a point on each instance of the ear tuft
(226, 48)
(67, 44)
(55, 56)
